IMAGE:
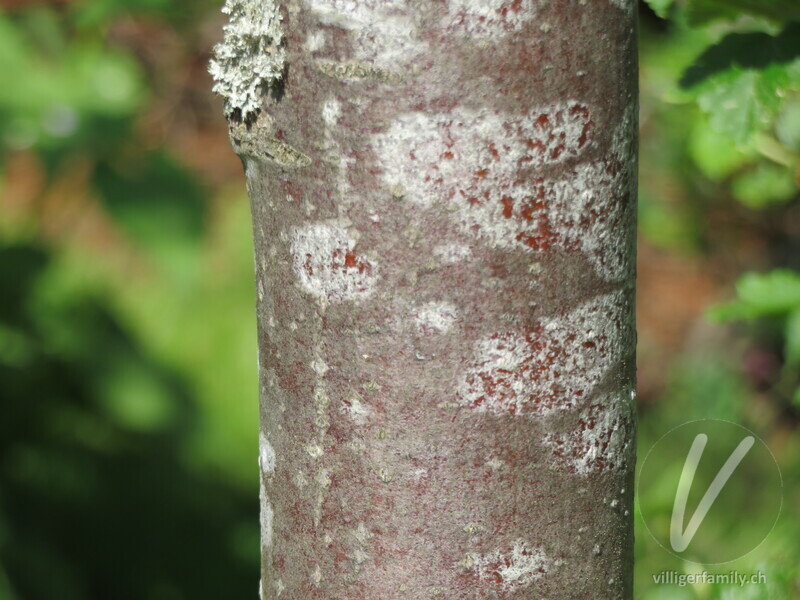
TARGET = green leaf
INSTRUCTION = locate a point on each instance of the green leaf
(714, 154)
(736, 104)
(741, 81)
(777, 291)
(756, 51)
(765, 186)
(660, 7)
(792, 331)
(701, 12)
(787, 125)
(762, 294)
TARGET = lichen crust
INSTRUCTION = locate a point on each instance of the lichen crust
(251, 58)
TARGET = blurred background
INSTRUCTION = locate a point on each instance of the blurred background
(128, 390)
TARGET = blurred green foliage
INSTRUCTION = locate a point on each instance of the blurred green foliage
(128, 381)
(773, 296)
(721, 103)
(96, 501)
(57, 92)
(128, 385)
(746, 82)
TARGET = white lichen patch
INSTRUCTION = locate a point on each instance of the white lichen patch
(362, 534)
(323, 478)
(331, 110)
(627, 5)
(591, 211)
(554, 365)
(500, 378)
(321, 403)
(512, 570)
(601, 439)
(435, 317)
(251, 57)
(474, 161)
(315, 41)
(266, 518)
(266, 455)
(315, 450)
(320, 367)
(359, 541)
(355, 408)
(327, 265)
(473, 157)
(594, 209)
(488, 18)
(450, 254)
(381, 31)
(495, 464)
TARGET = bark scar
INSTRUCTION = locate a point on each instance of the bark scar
(257, 141)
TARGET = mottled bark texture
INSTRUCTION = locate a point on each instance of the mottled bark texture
(443, 198)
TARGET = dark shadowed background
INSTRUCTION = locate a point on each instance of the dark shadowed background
(128, 389)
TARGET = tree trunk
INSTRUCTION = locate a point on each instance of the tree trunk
(443, 199)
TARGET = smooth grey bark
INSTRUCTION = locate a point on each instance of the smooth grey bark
(443, 198)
